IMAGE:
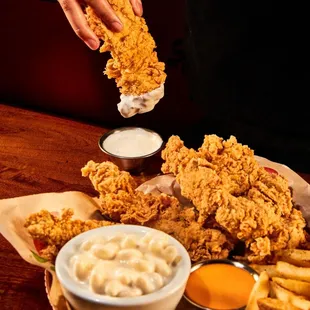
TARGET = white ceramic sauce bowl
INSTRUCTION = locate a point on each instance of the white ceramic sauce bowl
(80, 298)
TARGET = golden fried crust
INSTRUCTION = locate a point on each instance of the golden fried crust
(201, 243)
(203, 187)
(233, 162)
(227, 186)
(54, 232)
(176, 156)
(135, 208)
(134, 64)
(107, 178)
(161, 212)
(166, 214)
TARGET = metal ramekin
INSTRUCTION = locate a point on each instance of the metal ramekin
(197, 265)
(131, 164)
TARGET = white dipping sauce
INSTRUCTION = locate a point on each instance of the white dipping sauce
(133, 142)
(125, 265)
(132, 105)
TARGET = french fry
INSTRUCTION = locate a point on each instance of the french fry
(295, 286)
(274, 304)
(300, 258)
(290, 271)
(270, 269)
(260, 290)
(289, 297)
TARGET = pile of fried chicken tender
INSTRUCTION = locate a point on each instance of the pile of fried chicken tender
(234, 201)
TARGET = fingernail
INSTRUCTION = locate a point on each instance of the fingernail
(93, 44)
(116, 26)
(140, 7)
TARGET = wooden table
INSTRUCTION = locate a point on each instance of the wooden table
(40, 153)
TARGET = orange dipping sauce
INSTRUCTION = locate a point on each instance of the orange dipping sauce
(219, 286)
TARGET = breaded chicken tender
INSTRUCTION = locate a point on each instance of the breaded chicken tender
(163, 212)
(226, 185)
(134, 64)
(54, 232)
(107, 178)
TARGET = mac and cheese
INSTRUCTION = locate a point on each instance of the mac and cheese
(125, 265)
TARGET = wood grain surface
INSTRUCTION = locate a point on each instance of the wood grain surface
(42, 153)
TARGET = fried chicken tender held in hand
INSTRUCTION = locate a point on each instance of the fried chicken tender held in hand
(107, 178)
(134, 64)
(54, 232)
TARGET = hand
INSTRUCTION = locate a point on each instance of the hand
(77, 20)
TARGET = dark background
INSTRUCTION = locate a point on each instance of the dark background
(234, 67)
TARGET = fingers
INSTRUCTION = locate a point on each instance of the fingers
(137, 7)
(106, 13)
(76, 18)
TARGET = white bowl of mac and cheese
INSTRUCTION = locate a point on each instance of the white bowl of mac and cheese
(123, 267)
